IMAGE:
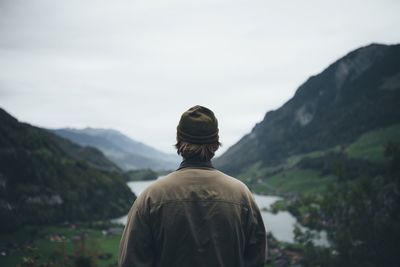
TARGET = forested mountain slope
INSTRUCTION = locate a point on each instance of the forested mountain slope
(355, 95)
(46, 179)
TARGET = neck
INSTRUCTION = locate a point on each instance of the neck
(195, 163)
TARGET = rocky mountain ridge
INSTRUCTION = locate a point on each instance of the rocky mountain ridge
(356, 94)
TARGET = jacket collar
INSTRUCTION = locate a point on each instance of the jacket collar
(195, 163)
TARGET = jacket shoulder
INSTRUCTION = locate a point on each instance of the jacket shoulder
(235, 182)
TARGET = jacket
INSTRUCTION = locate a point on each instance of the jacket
(195, 216)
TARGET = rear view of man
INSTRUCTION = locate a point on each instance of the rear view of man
(197, 215)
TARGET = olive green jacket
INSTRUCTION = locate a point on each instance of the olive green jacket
(195, 216)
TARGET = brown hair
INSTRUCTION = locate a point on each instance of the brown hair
(200, 151)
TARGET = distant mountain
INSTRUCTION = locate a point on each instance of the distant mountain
(128, 154)
(356, 95)
(91, 155)
(47, 179)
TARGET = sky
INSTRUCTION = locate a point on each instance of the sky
(136, 66)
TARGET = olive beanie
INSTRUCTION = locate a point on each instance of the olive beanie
(198, 125)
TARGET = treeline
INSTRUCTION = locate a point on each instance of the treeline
(362, 218)
(42, 189)
(45, 179)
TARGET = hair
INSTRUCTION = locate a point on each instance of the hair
(203, 152)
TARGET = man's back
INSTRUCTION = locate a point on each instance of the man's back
(194, 217)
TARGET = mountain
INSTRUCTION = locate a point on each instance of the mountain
(357, 95)
(47, 179)
(93, 156)
(128, 154)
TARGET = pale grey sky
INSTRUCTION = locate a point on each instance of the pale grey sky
(135, 66)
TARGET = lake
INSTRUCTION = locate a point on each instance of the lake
(281, 224)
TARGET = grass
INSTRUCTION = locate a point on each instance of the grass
(288, 178)
(371, 145)
(253, 173)
(35, 243)
(296, 181)
(293, 160)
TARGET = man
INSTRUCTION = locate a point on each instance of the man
(197, 215)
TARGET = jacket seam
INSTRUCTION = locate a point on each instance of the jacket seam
(201, 200)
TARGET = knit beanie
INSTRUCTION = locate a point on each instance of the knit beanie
(198, 125)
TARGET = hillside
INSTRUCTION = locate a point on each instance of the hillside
(46, 179)
(356, 95)
(91, 155)
(127, 153)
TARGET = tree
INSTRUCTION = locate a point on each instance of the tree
(363, 217)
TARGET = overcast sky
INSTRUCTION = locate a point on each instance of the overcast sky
(135, 66)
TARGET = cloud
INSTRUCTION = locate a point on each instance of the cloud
(136, 66)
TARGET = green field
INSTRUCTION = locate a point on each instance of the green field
(60, 246)
(287, 177)
(297, 181)
(371, 145)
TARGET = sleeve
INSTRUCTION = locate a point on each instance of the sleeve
(256, 245)
(136, 248)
